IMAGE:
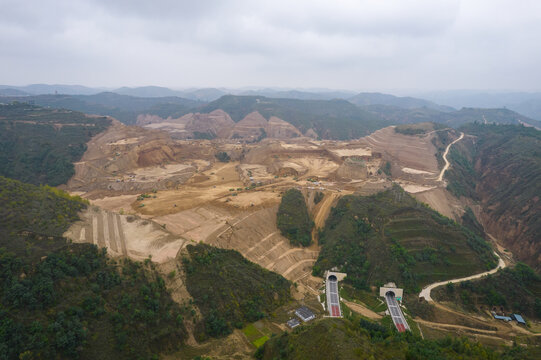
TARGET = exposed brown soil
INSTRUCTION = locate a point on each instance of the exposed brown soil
(125, 235)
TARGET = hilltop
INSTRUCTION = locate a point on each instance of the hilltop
(392, 237)
(39, 145)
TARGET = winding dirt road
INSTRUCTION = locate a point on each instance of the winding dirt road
(427, 289)
(447, 164)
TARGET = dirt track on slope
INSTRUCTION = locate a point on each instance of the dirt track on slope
(447, 163)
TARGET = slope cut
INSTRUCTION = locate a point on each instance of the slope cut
(125, 235)
(114, 160)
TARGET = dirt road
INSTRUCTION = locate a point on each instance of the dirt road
(440, 178)
(427, 289)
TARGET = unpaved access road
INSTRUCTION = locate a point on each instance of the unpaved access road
(440, 178)
(427, 289)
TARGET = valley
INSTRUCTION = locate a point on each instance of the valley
(381, 207)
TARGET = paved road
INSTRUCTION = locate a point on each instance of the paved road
(333, 299)
(427, 289)
(440, 178)
(396, 313)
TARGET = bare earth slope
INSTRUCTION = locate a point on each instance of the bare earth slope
(115, 160)
(125, 235)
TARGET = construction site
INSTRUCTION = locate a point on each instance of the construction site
(153, 192)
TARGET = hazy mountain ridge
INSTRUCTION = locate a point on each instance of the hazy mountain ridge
(366, 98)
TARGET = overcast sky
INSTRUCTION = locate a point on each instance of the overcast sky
(358, 45)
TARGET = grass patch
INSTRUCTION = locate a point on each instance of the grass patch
(259, 342)
(252, 333)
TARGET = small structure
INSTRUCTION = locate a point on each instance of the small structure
(333, 296)
(518, 318)
(391, 287)
(305, 314)
(504, 318)
(293, 323)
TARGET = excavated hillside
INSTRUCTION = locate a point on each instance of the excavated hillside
(129, 158)
(218, 124)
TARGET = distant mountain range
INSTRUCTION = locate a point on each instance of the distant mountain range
(331, 114)
(364, 99)
(525, 103)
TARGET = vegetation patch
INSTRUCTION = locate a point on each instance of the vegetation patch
(222, 156)
(293, 219)
(390, 236)
(361, 339)
(506, 180)
(230, 290)
(516, 290)
(60, 300)
(39, 146)
(30, 212)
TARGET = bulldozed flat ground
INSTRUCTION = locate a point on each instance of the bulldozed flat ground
(180, 186)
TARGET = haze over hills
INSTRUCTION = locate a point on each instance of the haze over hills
(525, 103)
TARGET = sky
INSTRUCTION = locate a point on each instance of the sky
(363, 45)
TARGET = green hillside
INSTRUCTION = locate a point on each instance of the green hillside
(405, 102)
(330, 119)
(230, 290)
(293, 219)
(69, 301)
(516, 290)
(39, 146)
(390, 236)
(122, 107)
(399, 115)
(360, 339)
(502, 170)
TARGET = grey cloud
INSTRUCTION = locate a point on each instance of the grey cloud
(361, 44)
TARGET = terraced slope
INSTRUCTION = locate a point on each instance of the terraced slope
(391, 237)
(125, 235)
(256, 236)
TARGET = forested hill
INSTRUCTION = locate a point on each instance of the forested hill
(355, 338)
(70, 301)
(399, 115)
(501, 168)
(330, 119)
(39, 145)
(390, 236)
(122, 107)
